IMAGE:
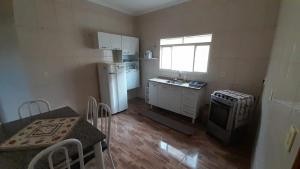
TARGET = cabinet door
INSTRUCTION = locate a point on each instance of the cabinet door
(169, 98)
(134, 46)
(130, 45)
(104, 40)
(153, 93)
(133, 79)
(125, 45)
(116, 42)
(190, 102)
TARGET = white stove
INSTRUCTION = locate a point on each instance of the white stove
(229, 111)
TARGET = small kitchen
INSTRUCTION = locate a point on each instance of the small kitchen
(149, 84)
(174, 92)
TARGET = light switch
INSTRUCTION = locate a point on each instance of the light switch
(290, 138)
(271, 95)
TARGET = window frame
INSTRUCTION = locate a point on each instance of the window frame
(186, 44)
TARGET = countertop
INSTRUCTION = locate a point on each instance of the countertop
(165, 81)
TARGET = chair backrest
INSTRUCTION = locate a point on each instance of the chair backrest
(28, 105)
(61, 146)
(104, 123)
(91, 110)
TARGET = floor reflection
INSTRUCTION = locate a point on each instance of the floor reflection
(189, 159)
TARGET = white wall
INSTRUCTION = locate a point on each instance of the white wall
(51, 51)
(242, 38)
(13, 81)
(281, 96)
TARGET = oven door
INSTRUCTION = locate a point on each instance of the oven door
(219, 113)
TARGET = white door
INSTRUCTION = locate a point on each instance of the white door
(104, 40)
(125, 45)
(169, 98)
(134, 47)
(130, 45)
(122, 87)
(153, 93)
(133, 78)
(116, 42)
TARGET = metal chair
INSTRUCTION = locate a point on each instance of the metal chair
(105, 125)
(103, 112)
(91, 110)
(61, 146)
(39, 103)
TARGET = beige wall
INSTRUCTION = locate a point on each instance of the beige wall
(13, 83)
(281, 96)
(57, 42)
(242, 38)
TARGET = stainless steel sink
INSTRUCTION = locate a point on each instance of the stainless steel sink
(174, 81)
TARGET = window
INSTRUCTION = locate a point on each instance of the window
(189, 53)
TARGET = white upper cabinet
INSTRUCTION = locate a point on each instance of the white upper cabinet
(104, 40)
(116, 42)
(109, 41)
(130, 45)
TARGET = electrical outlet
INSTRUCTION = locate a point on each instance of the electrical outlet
(290, 138)
(46, 74)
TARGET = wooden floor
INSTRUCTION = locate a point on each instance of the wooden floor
(140, 143)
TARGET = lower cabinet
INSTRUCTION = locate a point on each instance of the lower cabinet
(177, 99)
(153, 93)
(169, 98)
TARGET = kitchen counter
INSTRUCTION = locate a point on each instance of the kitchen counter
(165, 81)
(176, 96)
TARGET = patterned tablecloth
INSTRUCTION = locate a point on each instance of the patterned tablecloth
(40, 133)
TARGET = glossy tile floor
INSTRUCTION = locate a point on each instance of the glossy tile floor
(140, 143)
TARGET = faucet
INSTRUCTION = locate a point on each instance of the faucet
(179, 75)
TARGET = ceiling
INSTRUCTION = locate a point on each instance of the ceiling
(137, 7)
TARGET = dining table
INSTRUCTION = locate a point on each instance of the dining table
(89, 136)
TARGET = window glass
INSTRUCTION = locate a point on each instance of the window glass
(171, 41)
(189, 53)
(197, 39)
(201, 58)
(165, 57)
(182, 58)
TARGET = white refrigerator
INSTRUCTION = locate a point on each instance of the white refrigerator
(113, 85)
